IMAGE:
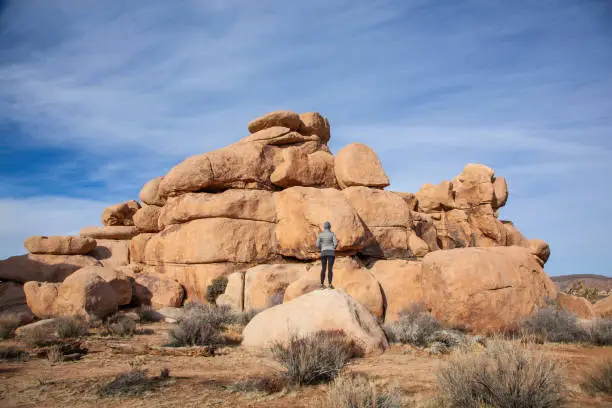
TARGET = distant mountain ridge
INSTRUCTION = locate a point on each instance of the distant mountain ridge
(564, 282)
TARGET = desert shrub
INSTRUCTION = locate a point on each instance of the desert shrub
(600, 332)
(8, 325)
(216, 288)
(132, 383)
(147, 314)
(202, 325)
(504, 375)
(358, 392)
(267, 384)
(12, 354)
(120, 325)
(600, 379)
(70, 327)
(35, 337)
(55, 354)
(414, 326)
(243, 318)
(555, 325)
(315, 358)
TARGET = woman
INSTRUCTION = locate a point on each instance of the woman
(327, 243)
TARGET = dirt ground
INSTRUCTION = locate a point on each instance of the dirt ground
(197, 381)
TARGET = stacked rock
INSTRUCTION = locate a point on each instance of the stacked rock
(249, 213)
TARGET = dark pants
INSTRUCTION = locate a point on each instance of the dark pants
(327, 260)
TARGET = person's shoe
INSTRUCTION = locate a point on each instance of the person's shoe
(322, 286)
(331, 286)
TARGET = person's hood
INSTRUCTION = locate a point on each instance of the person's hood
(327, 226)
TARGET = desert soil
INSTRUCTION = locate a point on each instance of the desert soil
(203, 381)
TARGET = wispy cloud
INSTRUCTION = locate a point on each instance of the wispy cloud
(125, 90)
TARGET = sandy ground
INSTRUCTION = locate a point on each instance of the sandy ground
(203, 381)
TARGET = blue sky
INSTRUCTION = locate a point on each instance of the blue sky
(96, 98)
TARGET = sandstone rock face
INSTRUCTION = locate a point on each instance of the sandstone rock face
(484, 288)
(283, 118)
(576, 305)
(146, 219)
(416, 245)
(410, 199)
(313, 123)
(110, 232)
(13, 302)
(474, 186)
(300, 169)
(514, 236)
(387, 242)
(265, 285)
(255, 205)
(49, 268)
(302, 286)
(112, 253)
(454, 230)
(603, 308)
(40, 297)
(318, 310)
(118, 280)
(213, 240)
(400, 281)
(58, 245)
(435, 198)
(279, 136)
(138, 246)
(157, 291)
(234, 292)
(87, 294)
(500, 192)
(195, 278)
(487, 229)
(358, 282)
(358, 165)
(301, 212)
(120, 214)
(150, 193)
(540, 249)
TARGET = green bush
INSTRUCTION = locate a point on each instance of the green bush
(202, 325)
(216, 288)
(414, 326)
(600, 332)
(120, 325)
(147, 314)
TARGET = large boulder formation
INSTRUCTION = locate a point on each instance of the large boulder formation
(432, 198)
(358, 165)
(120, 214)
(301, 169)
(149, 194)
(254, 205)
(138, 246)
(484, 288)
(473, 187)
(265, 285)
(234, 292)
(85, 293)
(576, 305)
(110, 232)
(40, 297)
(39, 267)
(118, 281)
(113, 253)
(313, 123)
(213, 240)
(387, 216)
(156, 291)
(315, 311)
(603, 307)
(282, 118)
(301, 212)
(57, 245)
(146, 218)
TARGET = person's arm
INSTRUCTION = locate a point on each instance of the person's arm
(319, 241)
(335, 240)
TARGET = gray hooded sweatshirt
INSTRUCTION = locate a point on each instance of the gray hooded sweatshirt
(327, 241)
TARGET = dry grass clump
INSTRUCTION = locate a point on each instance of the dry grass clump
(132, 383)
(55, 354)
(600, 379)
(243, 318)
(554, 325)
(202, 325)
(12, 354)
(70, 327)
(358, 392)
(266, 384)
(35, 337)
(147, 314)
(505, 374)
(316, 358)
(8, 325)
(414, 326)
(216, 288)
(120, 325)
(600, 332)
